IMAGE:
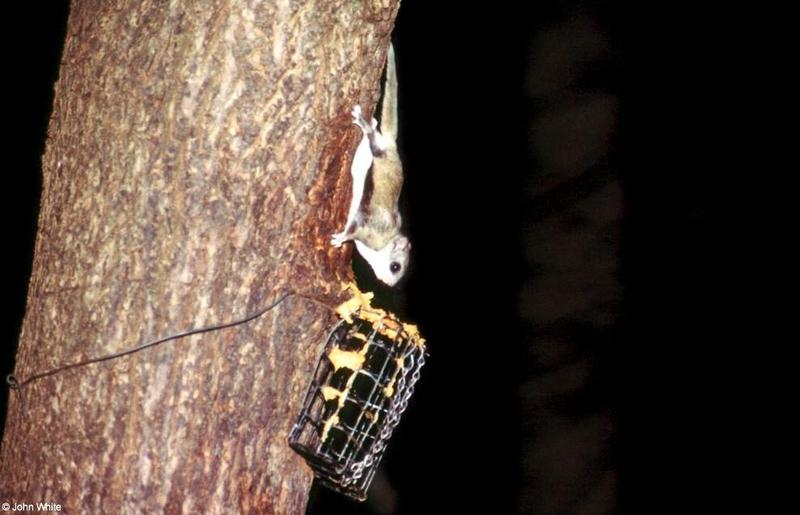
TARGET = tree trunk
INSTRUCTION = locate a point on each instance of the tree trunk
(196, 165)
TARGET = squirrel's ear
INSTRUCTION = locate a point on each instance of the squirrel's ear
(402, 243)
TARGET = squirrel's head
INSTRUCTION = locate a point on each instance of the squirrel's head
(390, 262)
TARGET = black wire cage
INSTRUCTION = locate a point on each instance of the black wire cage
(360, 389)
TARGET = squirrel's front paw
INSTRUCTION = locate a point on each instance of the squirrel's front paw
(338, 238)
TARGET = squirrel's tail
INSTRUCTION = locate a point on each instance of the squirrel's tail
(389, 107)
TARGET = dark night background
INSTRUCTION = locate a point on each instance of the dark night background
(560, 255)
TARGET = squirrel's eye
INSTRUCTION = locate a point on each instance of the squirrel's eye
(394, 267)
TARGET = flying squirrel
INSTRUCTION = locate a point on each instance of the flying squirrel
(374, 223)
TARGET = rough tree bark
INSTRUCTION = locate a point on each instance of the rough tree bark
(197, 163)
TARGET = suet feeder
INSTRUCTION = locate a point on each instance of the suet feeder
(360, 389)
